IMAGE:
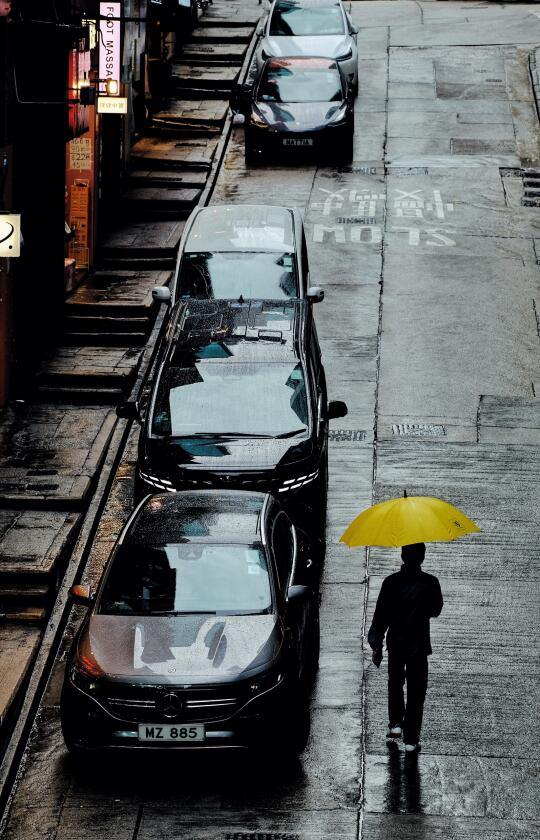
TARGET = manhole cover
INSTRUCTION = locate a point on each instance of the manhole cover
(346, 435)
(261, 835)
(418, 429)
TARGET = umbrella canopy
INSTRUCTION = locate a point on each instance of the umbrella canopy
(411, 519)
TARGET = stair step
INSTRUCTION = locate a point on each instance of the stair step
(209, 113)
(159, 152)
(107, 339)
(223, 54)
(167, 178)
(106, 323)
(112, 262)
(207, 76)
(123, 294)
(172, 128)
(167, 198)
(29, 593)
(81, 396)
(23, 614)
(213, 33)
(137, 240)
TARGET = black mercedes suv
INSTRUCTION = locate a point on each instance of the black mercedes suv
(239, 401)
(204, 632)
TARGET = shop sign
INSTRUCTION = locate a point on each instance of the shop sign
(112, 105)
(10, 235)
(110, 58)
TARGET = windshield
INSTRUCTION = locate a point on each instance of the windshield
(293, 20)
(187, 578)
(231, 275)
(231, 398)
(315, 80)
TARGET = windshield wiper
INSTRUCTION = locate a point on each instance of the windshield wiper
(292, 434)
(220, 435)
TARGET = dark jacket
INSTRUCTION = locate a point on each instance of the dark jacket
(406, 602)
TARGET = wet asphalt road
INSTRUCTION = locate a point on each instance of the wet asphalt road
(429, 331)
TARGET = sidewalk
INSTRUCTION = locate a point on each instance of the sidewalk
(52, 445)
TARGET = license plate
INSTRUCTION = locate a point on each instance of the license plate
(303, 141)
(170, 732)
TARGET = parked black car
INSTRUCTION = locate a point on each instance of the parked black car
(297, 105)
(239, 401)
(203, 633)
(242, 250)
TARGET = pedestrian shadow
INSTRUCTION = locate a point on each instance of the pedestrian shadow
(403, 788)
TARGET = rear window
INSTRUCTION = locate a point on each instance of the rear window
(293, 20)
(268, 276)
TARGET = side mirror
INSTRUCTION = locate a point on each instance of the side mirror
(129, 410)
(161, 294)
(298, 593)
(80, 594)
(336, 409)
(315, 294)
(353, 29)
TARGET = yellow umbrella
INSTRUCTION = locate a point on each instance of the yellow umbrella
(411, 519)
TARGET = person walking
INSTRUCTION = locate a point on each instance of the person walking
(407, 601)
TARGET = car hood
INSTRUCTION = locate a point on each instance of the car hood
(328, 46)
(225, 453)
(298, 116)
(187, 649)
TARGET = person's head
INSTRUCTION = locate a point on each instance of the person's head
(413, 555)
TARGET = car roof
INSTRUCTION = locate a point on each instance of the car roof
(241, 227)
(197, 516)
(225, 331)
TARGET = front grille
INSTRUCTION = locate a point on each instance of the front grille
(144, 705)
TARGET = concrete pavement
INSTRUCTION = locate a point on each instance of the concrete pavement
(429, 331)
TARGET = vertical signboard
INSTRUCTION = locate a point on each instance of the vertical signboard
(110, 57)
(80, 206)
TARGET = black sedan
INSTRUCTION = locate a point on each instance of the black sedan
(239, 401)
(204, 632)
(297, 105)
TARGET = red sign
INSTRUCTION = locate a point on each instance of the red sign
(79, 76)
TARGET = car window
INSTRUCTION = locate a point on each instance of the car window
(187, 578)
(313, 80)
(232, 398)
(283, 550)
(293, 20)
(269, 276)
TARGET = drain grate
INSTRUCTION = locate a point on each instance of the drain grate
(408, 170)
(418, 429)
(356, 220)
(261, 835)
(346, 435)
(531, 188)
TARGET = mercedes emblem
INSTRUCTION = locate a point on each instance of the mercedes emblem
(170, 705)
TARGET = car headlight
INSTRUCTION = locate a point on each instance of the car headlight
(257, 119)
(300, 481)
(339, 116)
(346, 55)
(264, 682)
(156, 481)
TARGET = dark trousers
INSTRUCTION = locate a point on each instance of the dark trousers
(414, 669)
